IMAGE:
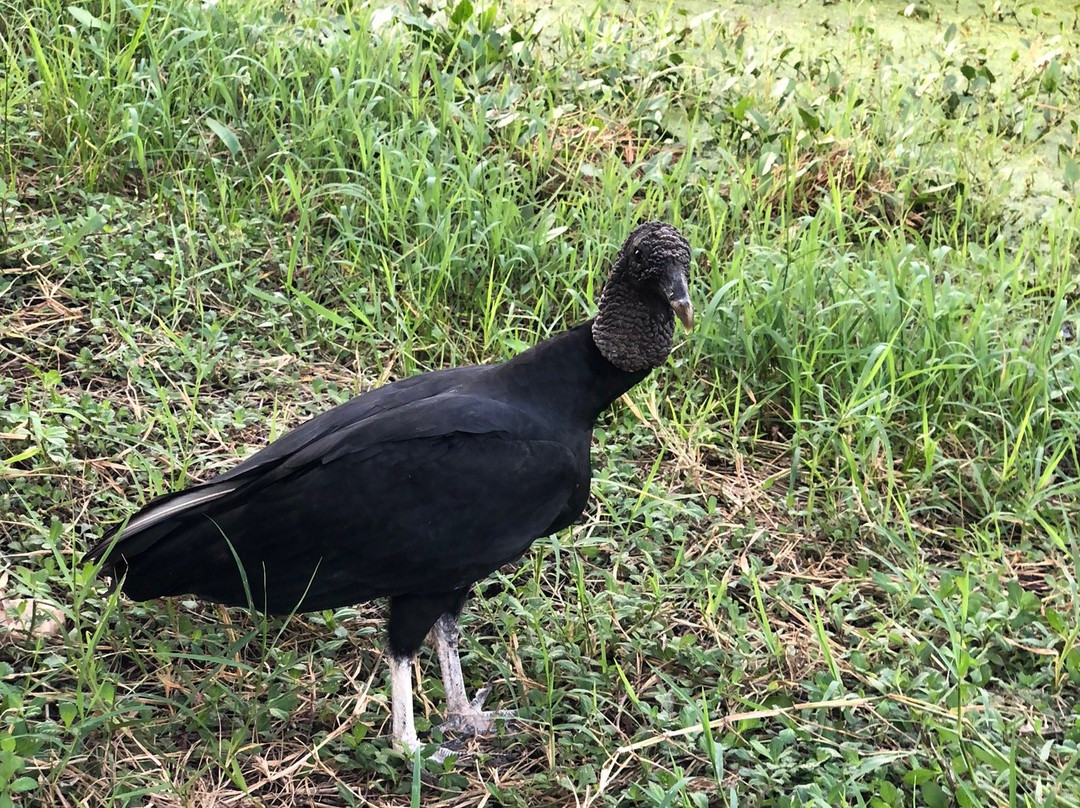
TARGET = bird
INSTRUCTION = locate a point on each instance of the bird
(416, 490)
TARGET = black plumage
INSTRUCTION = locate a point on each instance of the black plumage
(416, 490)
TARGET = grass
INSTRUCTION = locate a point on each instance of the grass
(831, 557)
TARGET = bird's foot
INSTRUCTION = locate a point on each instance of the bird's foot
(406, 741)
(410, 748)
(472, 719)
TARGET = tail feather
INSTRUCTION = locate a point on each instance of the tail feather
(179, 544)
(129, 539)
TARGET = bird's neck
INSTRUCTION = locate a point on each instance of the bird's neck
(633, 332)
(570, 371)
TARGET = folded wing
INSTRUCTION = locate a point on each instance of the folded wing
(428, 496)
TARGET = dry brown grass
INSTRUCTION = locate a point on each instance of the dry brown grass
(575, 151)
(868, 188)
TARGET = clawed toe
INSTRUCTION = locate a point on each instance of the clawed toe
(481, 722)
(472, 719)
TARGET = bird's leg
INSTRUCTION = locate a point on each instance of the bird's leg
(401, 708)
(462, 715)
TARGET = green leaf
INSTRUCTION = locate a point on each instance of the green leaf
(26, 454)
(23, 784)
(742, 107)
(768, 160)
(919, 776)
(1072, 172)
(934, 795)
(225, 135)
(486, 21)
(809, 119)
(87, 20)
(321, 310)
(462, 12)
(67, 712)
(93, 223)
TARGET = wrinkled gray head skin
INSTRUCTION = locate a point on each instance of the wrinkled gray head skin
(647, 289)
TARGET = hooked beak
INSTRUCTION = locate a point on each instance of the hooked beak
(678, 297)
(684, 311)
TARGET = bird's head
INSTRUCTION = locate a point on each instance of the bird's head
(646, 291)
(656, 259)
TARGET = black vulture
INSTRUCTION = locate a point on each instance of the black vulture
(416, 490)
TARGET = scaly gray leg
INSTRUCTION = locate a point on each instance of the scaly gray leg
(401, 709)
(462, 715)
